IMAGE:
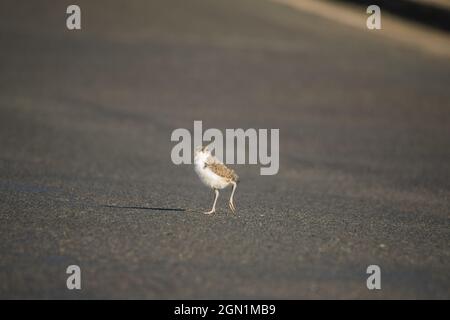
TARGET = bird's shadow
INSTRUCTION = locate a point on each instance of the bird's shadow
(148, 208)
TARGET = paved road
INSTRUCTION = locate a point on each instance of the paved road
(86, 176)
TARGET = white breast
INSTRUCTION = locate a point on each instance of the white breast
(208, 177)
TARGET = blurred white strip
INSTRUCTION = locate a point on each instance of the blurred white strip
(427, 39)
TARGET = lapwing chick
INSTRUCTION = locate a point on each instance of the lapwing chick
(215, 175)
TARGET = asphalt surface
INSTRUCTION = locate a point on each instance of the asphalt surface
(86, 176)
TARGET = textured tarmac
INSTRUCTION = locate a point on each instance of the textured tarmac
(86, 176)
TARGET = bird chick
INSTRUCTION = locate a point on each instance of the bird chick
(215, 175)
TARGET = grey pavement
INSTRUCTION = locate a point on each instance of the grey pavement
(86, 176)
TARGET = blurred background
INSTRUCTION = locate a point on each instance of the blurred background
(86, 176)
